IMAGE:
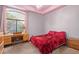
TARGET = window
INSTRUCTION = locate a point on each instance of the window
(15, 20)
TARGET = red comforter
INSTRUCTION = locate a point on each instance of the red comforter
(46, 43)
(42, 43)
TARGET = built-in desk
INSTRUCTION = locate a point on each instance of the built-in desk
(13, 38)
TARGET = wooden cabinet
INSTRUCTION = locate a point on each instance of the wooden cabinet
(7, 40)
(1, 44)
(25, 37)
(73, 43)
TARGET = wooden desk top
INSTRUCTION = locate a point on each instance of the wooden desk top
(15, 34)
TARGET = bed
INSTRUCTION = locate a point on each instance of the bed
(46, 43)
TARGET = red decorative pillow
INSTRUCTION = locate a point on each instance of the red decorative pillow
(60, 34)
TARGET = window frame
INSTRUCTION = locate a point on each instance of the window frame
(16, 20)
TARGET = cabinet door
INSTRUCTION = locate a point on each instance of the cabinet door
(7, 40)
(25, 37)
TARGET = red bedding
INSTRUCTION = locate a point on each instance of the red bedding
(46, 43)
(42, 43)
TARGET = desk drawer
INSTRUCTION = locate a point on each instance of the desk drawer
(7, 40)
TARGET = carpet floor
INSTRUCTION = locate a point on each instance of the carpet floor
(29, 48)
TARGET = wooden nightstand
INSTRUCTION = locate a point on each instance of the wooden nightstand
(73, 43)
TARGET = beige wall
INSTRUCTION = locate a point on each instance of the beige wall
(64, 19)
(36, 23)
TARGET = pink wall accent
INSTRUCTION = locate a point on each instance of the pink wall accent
(52, 8)
(43, 10)
(28, 8)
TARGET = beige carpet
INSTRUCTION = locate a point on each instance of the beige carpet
(28, 48)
